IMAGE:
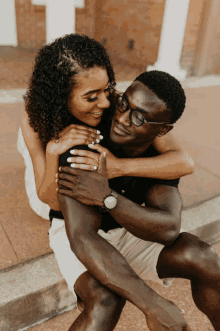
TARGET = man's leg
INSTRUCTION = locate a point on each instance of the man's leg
(100, 307)
(111, 269)
(189, 257)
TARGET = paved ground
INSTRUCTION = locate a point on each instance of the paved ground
(132, 319)
(23, 234)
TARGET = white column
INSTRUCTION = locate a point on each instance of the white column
(60, 16)
(171, 39)
(8, 27)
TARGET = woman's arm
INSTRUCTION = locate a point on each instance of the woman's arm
(45, 161)
(45, 166)
(173, 161)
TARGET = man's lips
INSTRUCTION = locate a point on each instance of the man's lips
(119, 129)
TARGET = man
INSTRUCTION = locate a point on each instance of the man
(148, 108)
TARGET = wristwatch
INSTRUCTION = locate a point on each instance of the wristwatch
(110, 202)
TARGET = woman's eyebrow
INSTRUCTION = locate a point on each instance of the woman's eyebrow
(93, 91)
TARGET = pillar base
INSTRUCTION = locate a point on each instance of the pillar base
(175, 71)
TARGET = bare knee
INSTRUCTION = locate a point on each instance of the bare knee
(107, 300)
(95, 295)
(200, 257)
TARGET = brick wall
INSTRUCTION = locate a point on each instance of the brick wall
(119, 22)
(129, 29)
(30, 24)
(31, 27)
(85, 18)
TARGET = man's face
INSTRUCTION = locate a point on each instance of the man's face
(123, 132)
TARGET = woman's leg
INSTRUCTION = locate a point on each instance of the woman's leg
(100, 307)
(189, 257)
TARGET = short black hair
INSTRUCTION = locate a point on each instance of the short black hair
(168, 89)
(54, 78)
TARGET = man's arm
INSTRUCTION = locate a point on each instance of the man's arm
(158, 222)
(108, 266)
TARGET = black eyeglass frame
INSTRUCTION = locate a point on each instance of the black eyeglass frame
(144, 120)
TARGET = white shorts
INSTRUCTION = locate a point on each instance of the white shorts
(141, 255)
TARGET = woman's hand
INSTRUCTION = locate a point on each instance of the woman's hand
(73, 135)
(87, 160)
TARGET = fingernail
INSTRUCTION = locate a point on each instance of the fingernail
(93, 142)
(104, 153)
(59, 168)
(69, 159)
(56, 180)
(72, 151)
(98, 132)
(90, 145)
(56, 176)
(95, 167)
(73, 165)
(101, 137)
(97, 140)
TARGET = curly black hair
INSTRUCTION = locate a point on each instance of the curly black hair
(168, 89)
(52, 81)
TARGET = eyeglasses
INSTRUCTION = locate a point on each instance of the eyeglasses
(135, 115)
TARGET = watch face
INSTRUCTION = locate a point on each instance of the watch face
(110, 202)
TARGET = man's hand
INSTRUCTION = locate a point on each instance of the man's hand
(87, 187)
(166, 316)
(86, 160)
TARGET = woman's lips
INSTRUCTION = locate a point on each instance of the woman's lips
(98, 114)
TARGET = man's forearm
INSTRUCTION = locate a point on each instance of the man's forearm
(102, 260)
(146, 223)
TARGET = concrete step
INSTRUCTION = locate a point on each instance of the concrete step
(35, 291)
(32, 292)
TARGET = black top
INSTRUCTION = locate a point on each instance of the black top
(133, 188)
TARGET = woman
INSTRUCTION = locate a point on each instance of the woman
(68, 104)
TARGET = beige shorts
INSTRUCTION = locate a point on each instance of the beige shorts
(141, 255)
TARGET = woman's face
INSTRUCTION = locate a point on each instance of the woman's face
(89, 98)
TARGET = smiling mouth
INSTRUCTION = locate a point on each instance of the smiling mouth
(119, 129)
(97, 114)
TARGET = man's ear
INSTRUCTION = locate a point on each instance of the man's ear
(165, 129)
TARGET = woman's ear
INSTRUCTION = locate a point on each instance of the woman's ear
(165, 129)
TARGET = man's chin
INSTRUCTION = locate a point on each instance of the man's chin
(117, 139)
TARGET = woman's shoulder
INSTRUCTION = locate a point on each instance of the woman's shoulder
(31, 138)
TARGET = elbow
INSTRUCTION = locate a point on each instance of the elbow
(188, 165)
(171, 235)
(41, 197)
